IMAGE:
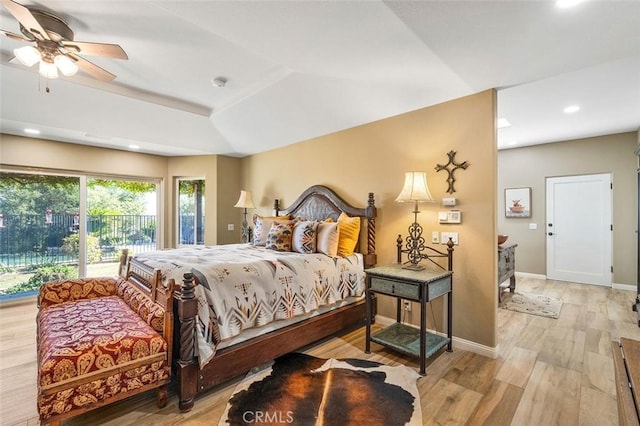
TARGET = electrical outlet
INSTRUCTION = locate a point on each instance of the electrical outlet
(230, 227)
(444, 237)
(406, 305)
(435, 237)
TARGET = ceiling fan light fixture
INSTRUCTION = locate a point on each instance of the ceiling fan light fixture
(48, 70)
(27, 55)
(66, 65)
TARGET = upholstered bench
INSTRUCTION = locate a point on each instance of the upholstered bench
(100, 340)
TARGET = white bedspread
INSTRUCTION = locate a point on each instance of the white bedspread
(242, 287)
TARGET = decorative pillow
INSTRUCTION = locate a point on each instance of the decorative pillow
(327, 238)
(304, 237)
(279, 236)
(349, 231)
(262, 225)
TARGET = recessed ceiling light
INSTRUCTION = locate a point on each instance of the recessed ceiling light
(571, 109)
(32, 131)
(564, 4)
(134, 146)
(503, 122)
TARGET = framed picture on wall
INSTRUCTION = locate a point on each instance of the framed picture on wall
(517, 202)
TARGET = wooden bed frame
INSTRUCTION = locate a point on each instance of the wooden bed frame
(316, 203)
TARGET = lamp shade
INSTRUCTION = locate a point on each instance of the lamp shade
(245, 200)
(415, 189)
(27, 55)
(48, 69)
(66, 66)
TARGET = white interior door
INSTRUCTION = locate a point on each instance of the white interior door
(579, 229)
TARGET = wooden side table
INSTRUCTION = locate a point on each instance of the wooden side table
(418, 286)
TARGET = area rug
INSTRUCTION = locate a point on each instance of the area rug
(299, 389)
(533, 304)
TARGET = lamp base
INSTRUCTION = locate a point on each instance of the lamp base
(413, 267)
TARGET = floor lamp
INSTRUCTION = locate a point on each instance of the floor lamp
(245, 202)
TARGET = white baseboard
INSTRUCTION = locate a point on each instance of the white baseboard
(530, 275)
(458, 343)
(627, 287)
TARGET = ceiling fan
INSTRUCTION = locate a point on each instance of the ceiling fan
(55, 49)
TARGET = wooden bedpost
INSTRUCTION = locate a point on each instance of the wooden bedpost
(371, 258)
(124, 263)
(187, 367)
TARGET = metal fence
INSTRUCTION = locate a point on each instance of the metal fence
(27, 240)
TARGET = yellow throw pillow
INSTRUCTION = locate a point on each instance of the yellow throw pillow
(349, 232)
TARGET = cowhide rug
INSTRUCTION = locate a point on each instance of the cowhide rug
(299, 389)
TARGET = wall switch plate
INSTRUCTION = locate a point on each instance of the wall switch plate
(533, 226)
(449, 201)
(231, 227)
(444, 237)
(435, 237)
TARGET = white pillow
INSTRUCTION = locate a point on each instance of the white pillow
(327, 238)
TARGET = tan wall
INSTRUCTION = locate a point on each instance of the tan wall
(530, 166)
(374, 158)
(196, 167)
(46, 154)
(229, 187)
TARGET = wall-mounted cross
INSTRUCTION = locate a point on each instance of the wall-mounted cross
(451, 179)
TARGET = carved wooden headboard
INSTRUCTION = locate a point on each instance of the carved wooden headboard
(320, 202)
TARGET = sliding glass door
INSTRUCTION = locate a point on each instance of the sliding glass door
(59, 226)
(38, 223)
(120, 214)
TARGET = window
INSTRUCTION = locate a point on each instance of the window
(190, 211)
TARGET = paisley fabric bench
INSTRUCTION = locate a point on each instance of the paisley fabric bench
(100, 340)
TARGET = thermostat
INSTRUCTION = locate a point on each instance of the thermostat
(451, 216)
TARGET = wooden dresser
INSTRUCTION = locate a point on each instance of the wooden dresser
(626, 362)
(506, 267)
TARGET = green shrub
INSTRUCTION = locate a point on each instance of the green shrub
(71, 247)
(42, 275)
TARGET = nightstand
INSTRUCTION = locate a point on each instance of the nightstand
(418, 286)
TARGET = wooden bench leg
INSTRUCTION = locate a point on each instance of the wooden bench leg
(163, 396)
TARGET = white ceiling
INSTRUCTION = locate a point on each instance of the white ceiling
(301, 69)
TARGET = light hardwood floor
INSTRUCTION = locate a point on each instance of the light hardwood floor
(548, 371)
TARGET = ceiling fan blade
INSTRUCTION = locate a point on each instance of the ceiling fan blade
(15, 36)
(96, 49)
(24, 16)
(92, 69)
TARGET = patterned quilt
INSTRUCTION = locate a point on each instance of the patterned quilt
(241, 286)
